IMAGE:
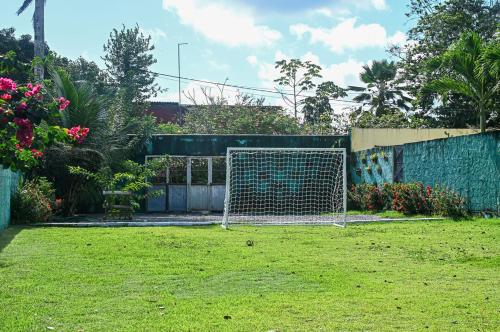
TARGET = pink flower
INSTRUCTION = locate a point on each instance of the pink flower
(34, 90)
(78, 134)
(24, 133)
(7, 84)
(63, 103)
(6, 96)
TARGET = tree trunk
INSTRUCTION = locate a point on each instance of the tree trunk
(482, 119)
(38, 26)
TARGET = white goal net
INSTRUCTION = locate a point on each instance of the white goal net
(285, 186)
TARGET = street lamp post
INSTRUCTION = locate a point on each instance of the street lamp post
(179, 68)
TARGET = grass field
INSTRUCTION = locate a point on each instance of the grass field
(413, 276)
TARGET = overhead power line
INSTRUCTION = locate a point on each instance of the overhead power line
(243, 87)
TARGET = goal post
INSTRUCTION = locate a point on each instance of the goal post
(278, 186)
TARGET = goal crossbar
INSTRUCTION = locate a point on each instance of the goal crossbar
(282, 186)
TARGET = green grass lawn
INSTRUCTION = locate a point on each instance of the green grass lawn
(413, 276)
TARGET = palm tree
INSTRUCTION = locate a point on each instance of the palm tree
(38, 27)
(472, 69)
(381, 92)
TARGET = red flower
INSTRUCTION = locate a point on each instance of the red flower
(36, 153)
(6, 96)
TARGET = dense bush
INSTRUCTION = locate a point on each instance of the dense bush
(33, 202)
(407, 198)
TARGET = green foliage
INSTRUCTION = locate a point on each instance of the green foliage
(439, 24)
(469, 68)
(298, 76)
(16, 55)
(319, 106)
(128, 58)
(168, 128)
(407, 198)
(132, 177)
(33, 201)
(382, 93)
(84, 71)
(250, 117)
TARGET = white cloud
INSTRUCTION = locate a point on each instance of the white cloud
(344, 73)
(378, 4)
(252, 59)
(347, 35)
(156, 34)
(226, 24)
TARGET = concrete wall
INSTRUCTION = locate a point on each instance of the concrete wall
(469, 165)
(367, 138)
(359, 172)
(8, 185)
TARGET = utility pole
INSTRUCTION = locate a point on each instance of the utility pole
(179, 68)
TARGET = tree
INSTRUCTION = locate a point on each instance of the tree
(39, 29)
(318, 108)
(128, 60)
(470, 68)
(297, 75)
(438, 24)
(382, 92)
(85, 71)
(16, 55)
(247, 116)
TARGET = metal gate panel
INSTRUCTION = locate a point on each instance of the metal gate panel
(198, 198)
(217, 193)
(157, 203)
(177, 198)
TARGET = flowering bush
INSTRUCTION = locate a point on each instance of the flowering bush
(407, 198)
(29, 123)
(33, 202)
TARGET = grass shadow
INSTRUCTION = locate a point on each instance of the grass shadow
(7, 235)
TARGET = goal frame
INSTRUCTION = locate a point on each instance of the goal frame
(225, 218)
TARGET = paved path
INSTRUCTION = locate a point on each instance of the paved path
(155, 220)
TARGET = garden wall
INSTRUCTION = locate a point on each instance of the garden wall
(8, 185)
(469, 165)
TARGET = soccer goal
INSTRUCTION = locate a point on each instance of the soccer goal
(277, 186)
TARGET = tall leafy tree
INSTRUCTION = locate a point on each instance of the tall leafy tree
(16, 55)
(470, 68)
(382, 92)
(438, 24)
(297, 76)
(318, 108)
(39, 30)
(128, 58)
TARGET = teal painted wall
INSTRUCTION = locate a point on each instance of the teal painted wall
(468, 164)
(8, 185)
(359, 172)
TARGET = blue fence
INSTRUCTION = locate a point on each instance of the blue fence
(8, 185)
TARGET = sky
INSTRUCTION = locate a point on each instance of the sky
(237, 40)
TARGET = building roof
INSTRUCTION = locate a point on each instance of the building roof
(165, 112)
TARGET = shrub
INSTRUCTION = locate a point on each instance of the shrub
(32, 202)
(448, 203)
(366, 197)
(408, 198)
